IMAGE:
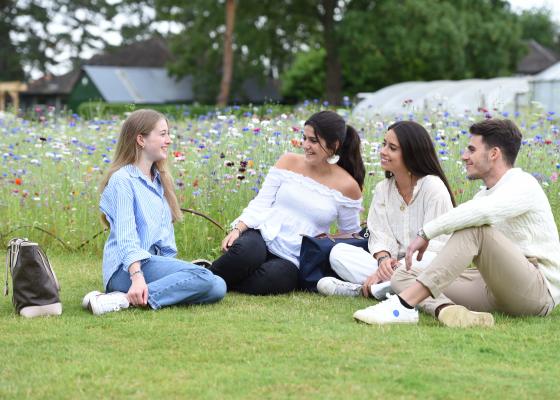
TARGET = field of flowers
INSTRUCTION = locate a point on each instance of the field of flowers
(52, 164)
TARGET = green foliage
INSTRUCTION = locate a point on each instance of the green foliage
(417, 41)
(441, 40)
(305, 79)
(10, 60)
(385, 42)
(266, 35)
(537, 24)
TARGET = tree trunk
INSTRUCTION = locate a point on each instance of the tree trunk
(334, 69)
(227, 68)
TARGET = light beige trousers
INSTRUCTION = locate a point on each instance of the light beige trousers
(505, 280)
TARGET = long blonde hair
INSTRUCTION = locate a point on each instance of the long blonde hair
(141, 122)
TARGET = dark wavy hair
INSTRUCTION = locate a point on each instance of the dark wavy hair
(418, 152)
(332, 128)
(502, 133)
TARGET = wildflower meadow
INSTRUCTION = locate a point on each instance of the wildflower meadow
(293, 346)
(51, 167)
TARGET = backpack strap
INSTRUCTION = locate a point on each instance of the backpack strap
(48, 267)
(11, 257)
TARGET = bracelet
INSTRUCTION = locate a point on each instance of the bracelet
(382, 258)
(235, 228)
(422, 234)
(139, 272)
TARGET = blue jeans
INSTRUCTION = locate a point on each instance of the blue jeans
(171, 281)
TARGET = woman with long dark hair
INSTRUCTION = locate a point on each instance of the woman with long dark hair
(302, 194)
(414, 191)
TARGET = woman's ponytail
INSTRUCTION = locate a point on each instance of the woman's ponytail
(351, 156)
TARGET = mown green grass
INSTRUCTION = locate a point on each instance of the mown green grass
(293, 346)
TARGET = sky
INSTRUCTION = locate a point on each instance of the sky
(114, 39)
(553, 5)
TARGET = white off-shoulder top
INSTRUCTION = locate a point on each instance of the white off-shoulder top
(290, 205)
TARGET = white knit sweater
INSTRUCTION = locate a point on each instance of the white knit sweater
(518, 207)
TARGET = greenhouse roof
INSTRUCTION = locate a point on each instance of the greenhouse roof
(552, 73)
(452, 96)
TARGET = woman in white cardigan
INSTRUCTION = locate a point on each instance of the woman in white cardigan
(414, 192)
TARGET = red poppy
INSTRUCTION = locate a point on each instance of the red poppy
(17, 181)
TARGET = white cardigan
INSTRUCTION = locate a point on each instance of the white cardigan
(518, 207)
(393, 224)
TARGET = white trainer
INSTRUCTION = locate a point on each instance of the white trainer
(330, 286)
(110, 302)
(390, 311)
(87, 298)
(380, 290)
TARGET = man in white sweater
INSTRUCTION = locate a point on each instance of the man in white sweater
(507, 231)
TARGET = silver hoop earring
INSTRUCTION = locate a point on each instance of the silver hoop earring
(333, 159)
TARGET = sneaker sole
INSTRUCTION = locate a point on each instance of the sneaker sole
(460, 317)
(384, 323)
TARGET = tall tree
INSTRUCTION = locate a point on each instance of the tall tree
(330, 41)
(10, 60)
(418, 40)
(227, 67)
(35, 33)
(267, 35)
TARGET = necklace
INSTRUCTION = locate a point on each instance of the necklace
(406, 197)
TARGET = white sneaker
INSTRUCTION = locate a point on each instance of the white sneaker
(390, 311)
(87, 298)
(330, 286)
(380, 290)
(105, 303)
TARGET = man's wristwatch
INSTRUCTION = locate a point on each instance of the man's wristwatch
(422, 234)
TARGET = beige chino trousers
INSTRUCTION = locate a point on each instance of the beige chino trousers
(505, 280)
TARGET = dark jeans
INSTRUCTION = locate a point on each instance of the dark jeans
(248, 267)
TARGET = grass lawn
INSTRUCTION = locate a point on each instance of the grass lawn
(292, 346)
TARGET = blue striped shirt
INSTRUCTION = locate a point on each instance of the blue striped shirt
(139, 218)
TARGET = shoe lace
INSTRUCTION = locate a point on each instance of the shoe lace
(348, 286)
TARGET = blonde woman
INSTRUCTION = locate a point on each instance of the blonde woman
(139, 205)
